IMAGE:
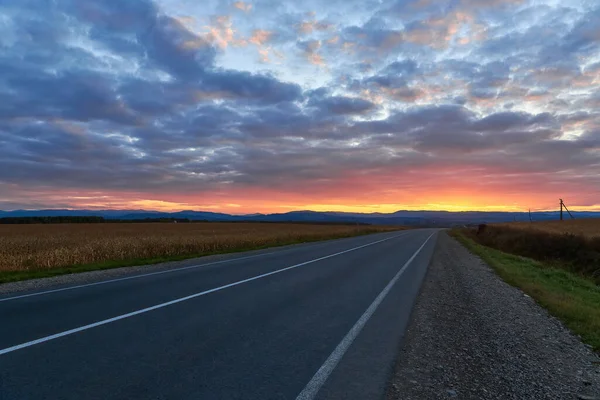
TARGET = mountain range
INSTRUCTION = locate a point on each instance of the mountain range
(422, 218)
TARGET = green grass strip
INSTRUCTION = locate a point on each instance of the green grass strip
(572, 299)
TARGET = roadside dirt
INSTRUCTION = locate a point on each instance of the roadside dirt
(472, 336)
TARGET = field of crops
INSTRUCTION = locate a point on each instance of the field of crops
(589, 227)
(48, 246)
(572, 245)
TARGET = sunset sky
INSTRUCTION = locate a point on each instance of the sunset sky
(278, 105)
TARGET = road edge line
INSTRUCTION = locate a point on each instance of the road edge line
(312, 388)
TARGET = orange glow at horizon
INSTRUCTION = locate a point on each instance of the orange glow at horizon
(281, 202)
(377, 191)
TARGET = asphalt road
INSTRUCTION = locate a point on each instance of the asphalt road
(320, 321)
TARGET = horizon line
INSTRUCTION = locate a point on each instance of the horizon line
(291, 211)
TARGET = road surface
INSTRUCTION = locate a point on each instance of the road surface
(320, 321)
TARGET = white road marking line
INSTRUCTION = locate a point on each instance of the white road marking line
(312, 388)
(169, 303)
(127, 278)
(136, 276)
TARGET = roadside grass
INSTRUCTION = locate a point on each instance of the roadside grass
(576, 253)
(208, 246)
(572, 299)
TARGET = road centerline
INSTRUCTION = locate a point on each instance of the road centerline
(182, 299)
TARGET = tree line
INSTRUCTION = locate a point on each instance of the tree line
(81, 220)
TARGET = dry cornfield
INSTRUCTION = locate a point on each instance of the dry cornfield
(589, 227)
(47, 246)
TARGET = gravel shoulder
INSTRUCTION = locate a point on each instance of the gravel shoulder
(473, 336)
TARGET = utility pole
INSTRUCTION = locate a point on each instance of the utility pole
(562, 204)
(561, 208)
(530, 215)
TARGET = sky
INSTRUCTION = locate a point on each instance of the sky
(279, 105)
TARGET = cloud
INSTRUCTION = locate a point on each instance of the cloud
(490, 3)
(393, 82)
(222, 34)
(245, 85)
(240, 5)
(440, 31)
(137, 100)
(586, 33)
(308, 27)
(373, 39)
(311, 52)
(340, 105)
(260, 37)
